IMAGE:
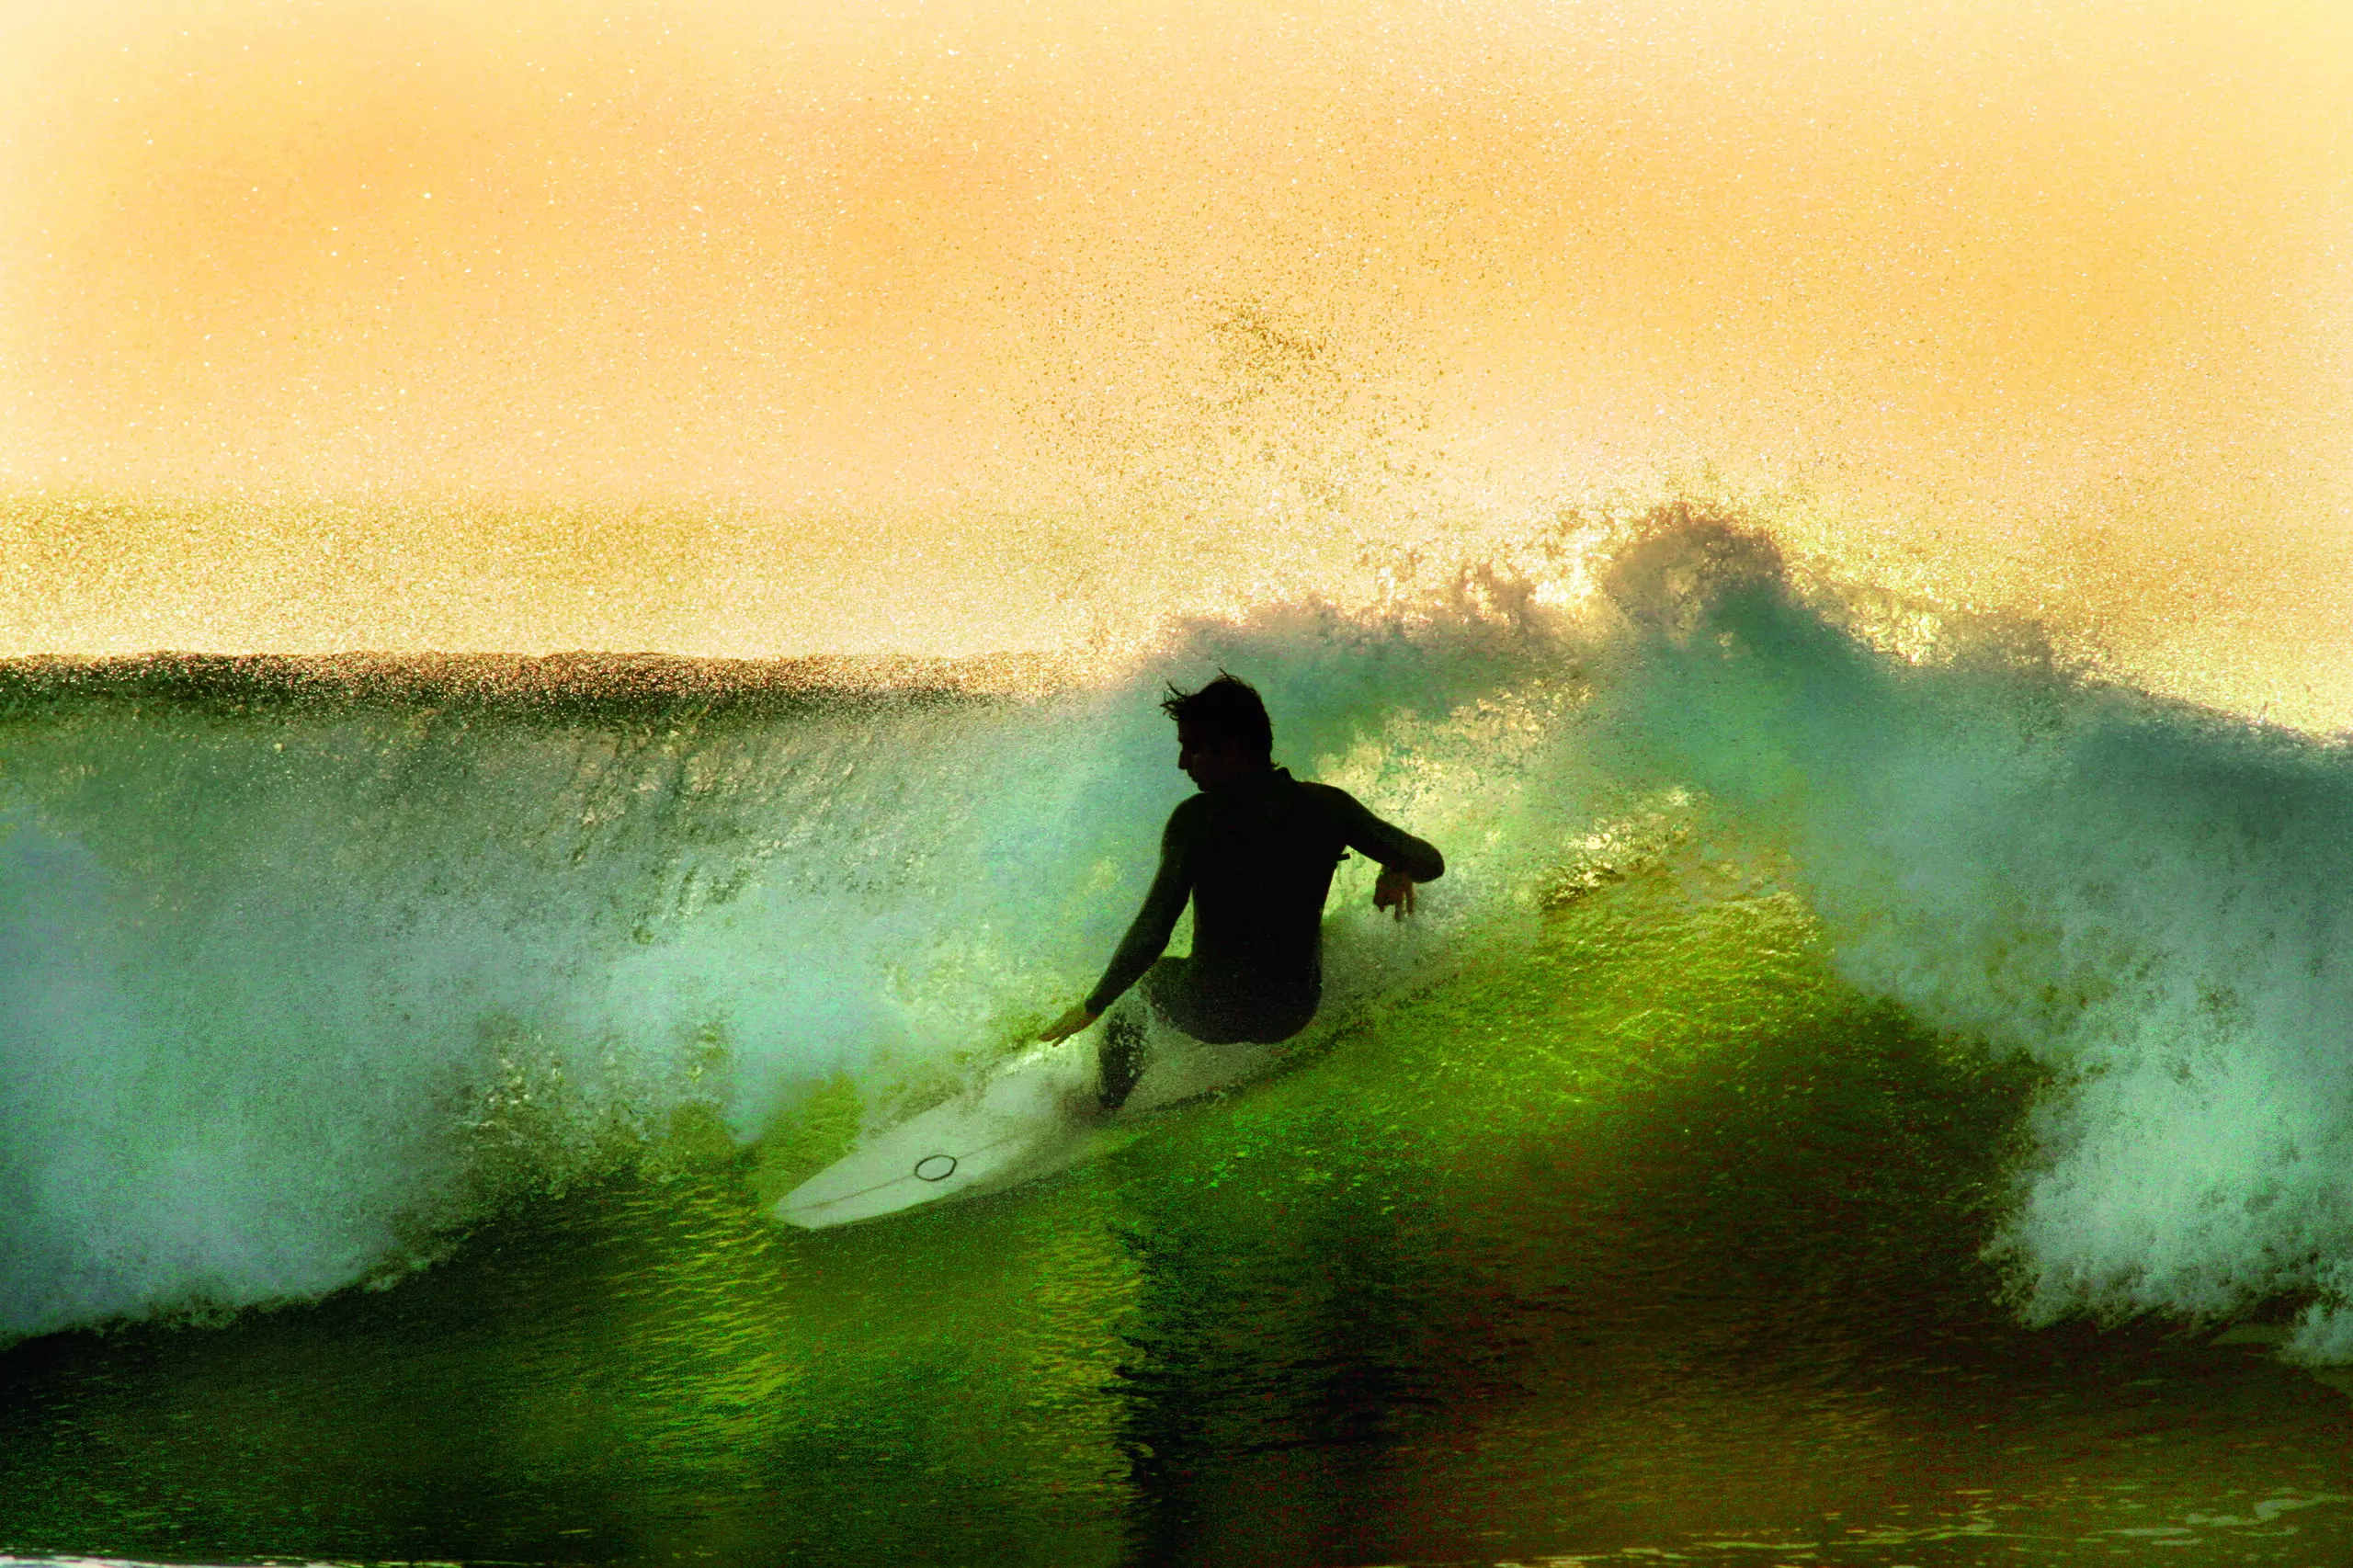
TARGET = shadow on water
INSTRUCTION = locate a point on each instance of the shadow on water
(1281, 1352)
(1652, 1241)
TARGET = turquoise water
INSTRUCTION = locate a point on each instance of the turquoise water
(1840, 1107)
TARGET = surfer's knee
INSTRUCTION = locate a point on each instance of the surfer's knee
(1120, 1057)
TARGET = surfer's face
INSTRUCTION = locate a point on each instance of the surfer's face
(1210, 762)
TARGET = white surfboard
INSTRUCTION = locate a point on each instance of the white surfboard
(1029, 1119)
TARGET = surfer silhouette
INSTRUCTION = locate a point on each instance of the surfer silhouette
(1253, 852)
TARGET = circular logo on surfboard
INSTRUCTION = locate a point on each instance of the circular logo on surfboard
(936, 1168)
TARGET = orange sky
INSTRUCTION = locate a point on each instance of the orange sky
(750, 328)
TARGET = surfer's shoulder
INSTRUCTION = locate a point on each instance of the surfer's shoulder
(1188, 818)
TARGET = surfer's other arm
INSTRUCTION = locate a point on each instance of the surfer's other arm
(1404, 859)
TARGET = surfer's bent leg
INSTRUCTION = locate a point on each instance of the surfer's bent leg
(1165, 989)
(1171, 989)
(1121, 1056)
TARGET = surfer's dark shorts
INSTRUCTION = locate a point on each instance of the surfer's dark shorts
(1223, 1014)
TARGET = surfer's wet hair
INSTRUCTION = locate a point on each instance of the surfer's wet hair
(1228, 711)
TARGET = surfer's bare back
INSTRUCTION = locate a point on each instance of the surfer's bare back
(1255, 851)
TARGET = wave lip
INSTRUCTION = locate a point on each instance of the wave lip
(2153, 900)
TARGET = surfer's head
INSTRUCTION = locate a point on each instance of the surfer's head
(1222, 731)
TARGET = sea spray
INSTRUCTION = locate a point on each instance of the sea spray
(299, 988)
(2152, 899)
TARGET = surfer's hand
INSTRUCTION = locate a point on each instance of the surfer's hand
(1069, 1024)
(1393, 889)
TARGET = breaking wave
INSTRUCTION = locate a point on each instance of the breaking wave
(294, 988)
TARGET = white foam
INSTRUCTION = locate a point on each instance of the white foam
(2154, 902)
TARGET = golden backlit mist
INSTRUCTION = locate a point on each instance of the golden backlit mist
(756, 328)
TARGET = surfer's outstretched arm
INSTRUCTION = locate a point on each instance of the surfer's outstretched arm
(1404, 858)
(1147, 935)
